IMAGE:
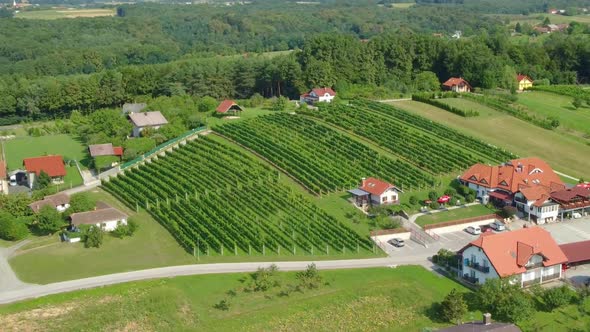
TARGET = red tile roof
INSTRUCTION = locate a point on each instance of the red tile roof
(323, 91)
(509, 252)
(52, 165)
(2, 170)
(569, 194)
(226, 105)
(118, 150)
(521, 77)
(456, 81)
(375, 186)
(514, 175)
(576, 251)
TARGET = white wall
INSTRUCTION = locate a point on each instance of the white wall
(460, 227)
(109, 226)
(480, 257)
(391, 195)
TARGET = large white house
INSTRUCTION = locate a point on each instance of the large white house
(105, 217)
(536, 204)
(318, 95)
(526, 256)
(373, 191)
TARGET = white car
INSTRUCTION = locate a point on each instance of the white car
(498, 226)
(576, 215)
(475, 230)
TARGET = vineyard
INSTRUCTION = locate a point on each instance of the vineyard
(216, 199)
(321, 158)
(428, 145)
(566, 90)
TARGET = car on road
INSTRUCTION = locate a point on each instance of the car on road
(475, 230)
(397, 242)
(498, 226)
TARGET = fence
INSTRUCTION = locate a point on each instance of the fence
(462, 221)
(161, 147)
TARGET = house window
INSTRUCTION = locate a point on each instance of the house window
(384, 199)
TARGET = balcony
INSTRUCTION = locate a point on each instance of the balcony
(477, 266)
(470, 279)
(551, 277)
(531, 282)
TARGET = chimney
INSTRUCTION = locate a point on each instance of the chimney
(363, 181)
(487, 318)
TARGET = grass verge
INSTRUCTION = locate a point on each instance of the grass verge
(454, 214)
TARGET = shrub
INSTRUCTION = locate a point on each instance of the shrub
(93, 237)
(11, 228)
(433, 195)
(508, 211)
(558, 297)
(434, 205)
(310, 278)
(507, 302)
(223, 305)
(453, 307)
(413, 200)
(470, 198)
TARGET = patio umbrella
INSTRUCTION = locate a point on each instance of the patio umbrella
(444, 199)
(584, 185)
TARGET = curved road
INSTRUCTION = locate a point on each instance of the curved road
(27, 291)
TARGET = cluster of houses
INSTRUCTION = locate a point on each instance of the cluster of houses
(549, 28)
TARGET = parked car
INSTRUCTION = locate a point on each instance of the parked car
(498, 226)
(576, 215)
(475, 230)
(13, 181)
(397, 242)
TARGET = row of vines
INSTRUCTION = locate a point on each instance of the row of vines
(215, 199)
(323, 159)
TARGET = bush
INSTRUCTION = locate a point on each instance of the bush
(310, 278)
(413, 200)
(11, 228)
(223, 305)
(508, 211)
(434, 205)
(470, 198)
(557, 297)
(453, 307)
(433, 195)
(125, 230)
(450, 192)
(49, 220)
(93, 237)
(507, 302)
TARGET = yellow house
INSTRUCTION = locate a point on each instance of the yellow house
(524, 82)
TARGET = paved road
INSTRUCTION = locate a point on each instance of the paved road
(34, 291)
(9, 280)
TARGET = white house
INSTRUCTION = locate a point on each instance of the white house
(526, 256)
(536, 204)
(59, 201)
(318, 95)
(144, 120)
(107, 218)
(373, 191)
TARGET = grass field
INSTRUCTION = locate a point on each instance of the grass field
(454, 214)
(25, 147)
(248, 113)
(468, 105)
(564, 153)
(402, 5)
(375, 299)
(554, 105)
(52, 14)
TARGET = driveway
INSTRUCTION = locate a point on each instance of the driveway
(8, 279)
(570, 230)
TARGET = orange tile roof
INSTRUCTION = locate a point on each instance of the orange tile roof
(521, 77)
(456, 81)
(52, 165)
(118, 150)
(226, 105)
(514, 175)
(375, 186)
(509, 252)
(323, 91)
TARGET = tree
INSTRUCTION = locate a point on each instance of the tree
(81, 202)
(518, 28)
(16, 204)
(207, 104)
(427, 81)
(279, 103)
(11, 228)
(577, 103)
(6, 13)
(453, 307)
(42, 181)
(546, 21)
(557, 297)
(413, 200)
(93, 237)
(49, 220)
(505, 300)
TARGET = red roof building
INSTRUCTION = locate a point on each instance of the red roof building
(318, 95)
(52, 165)
(228, 105)
(576, 252)
(375, 192)
(529, 255)
(457, 84)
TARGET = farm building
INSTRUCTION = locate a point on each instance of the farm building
(59, 201)
(106, 217)
(52, 165)
(524, 82)
(228, 106)
(144, 120)
(527, 256)
(3, 178)
(373, 191)
(457, 84)
(318, 95)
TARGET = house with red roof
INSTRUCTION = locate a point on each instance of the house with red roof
(526, 256)
(318, 95)
(52, 165)
(524, 82)
(228, 106)
(373, 191)
(573, 200)
(457, 84)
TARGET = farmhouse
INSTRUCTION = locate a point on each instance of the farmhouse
(3, 178)
(107, 149)
(526, 256)
(59, 201)
(524, 82)
(52, 165)
(228, 106)
(145, 120)
(373, 191)
(457, 84)
(106, 217)
(500, 183)
(318, 95)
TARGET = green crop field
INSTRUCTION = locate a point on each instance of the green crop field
(454, 214)
(25, 147)
(374, 299)
(560, 107)
(564, 153)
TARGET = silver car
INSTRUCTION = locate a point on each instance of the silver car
(397, 242)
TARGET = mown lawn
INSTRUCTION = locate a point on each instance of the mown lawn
(557, 106)
(563, 152)
(454, 214)
(399, 299)
(25, 147)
